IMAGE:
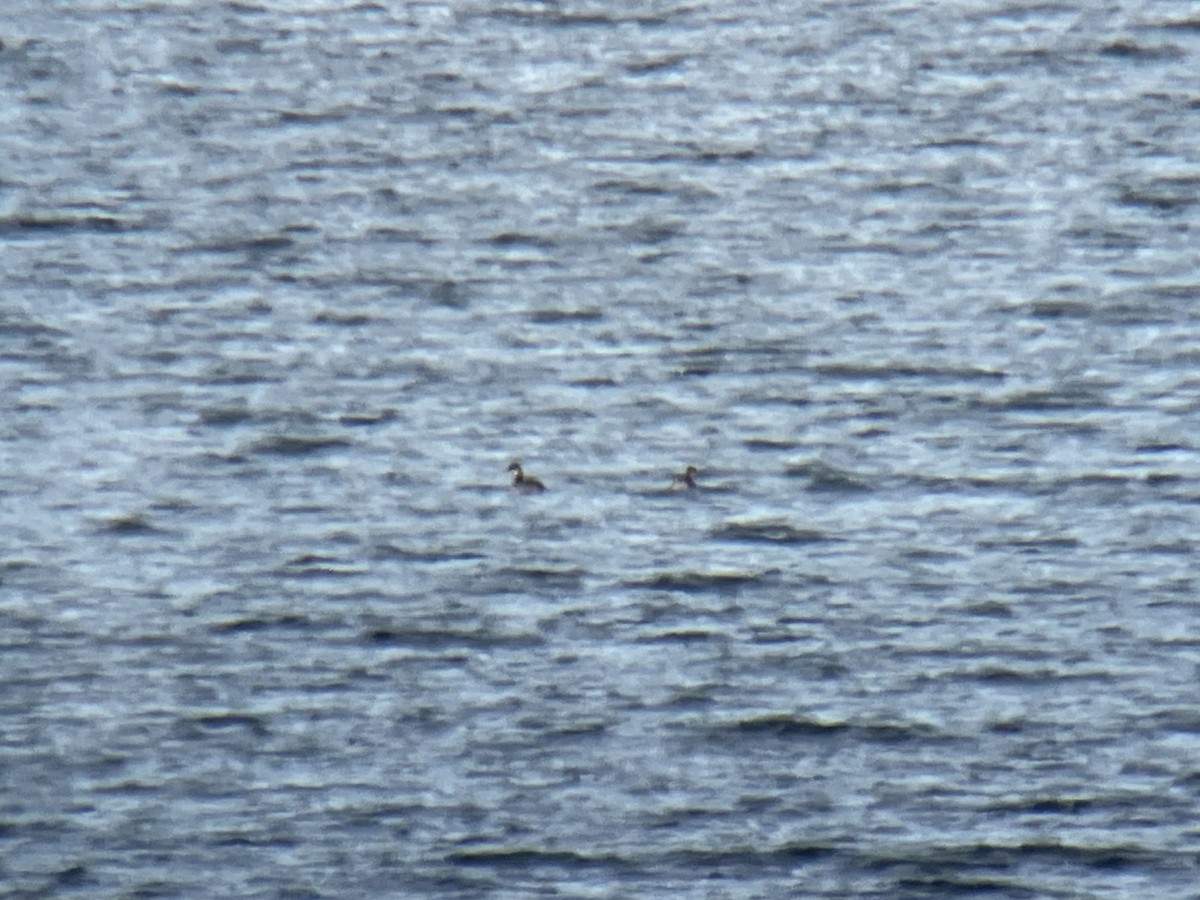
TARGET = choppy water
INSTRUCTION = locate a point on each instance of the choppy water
(287, 284)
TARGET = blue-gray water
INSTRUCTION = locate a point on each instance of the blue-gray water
(285, 285)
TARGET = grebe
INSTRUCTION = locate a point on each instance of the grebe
(526, 485)
(687, 480)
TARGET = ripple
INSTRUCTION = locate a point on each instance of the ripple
(769, 531)
(1139, 52)
(788, 726)
(298, 445)
(534, 858)
(254, 624)
(825, 477)
(443, 639)
(698, 582)
(201, 725)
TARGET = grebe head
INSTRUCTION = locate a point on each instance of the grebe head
(514, 466)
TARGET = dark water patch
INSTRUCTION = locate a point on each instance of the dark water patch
(244, 45)
(676, 817)
(173, 88)
(1162, 447)
(72, 877)
(633, 187)
(593, 381)
(956, 141)
(992, 609)
(1155, 479)
(1128, 49)
(719, 863)
(20, 326)
(1031, 544)
(964, 886)
(40, 224)
(396, 234)
(769, 445)
(311, 117)
(1172, 721)
(448, 294)
(1017, 484)
(572, 730)
(210, 723)
(649, 231)
(174, 505)
(1007, 675)
(698, 582)
(227, 459)
(1104, 237)
(298, 445)
(128, 787)
(12, 572)
(255, 624)
(344, 319)
(700, 362)
(1187, 24)
(827, 478)
(1182, 546)
(250, 838)
(438, 639)
(522, 239)
(254, 246)
(692, 698)
(887, 371)
(365, 419)
(1060, 589)
(239, 372)
(131, 524)
(680, 636)
(1065, 397)
(771, 357)
(929, 555)
(555, 15)
(424, 554)
(1044, 805)
(996, 856)
(767, 531)
(534, 858)
(565, 578)
(584, 728)
(791, 727)
(666, 62)
(560, 316)
(1166, 195)
(1059, 308)
(522, 580)
(313, 565)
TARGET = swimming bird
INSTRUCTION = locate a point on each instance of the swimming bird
(686, 481)
(521, 482)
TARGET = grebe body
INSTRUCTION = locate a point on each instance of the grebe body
(525, 484)
(686, 481)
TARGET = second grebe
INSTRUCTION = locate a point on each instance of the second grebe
(523, 483)
(687, 480)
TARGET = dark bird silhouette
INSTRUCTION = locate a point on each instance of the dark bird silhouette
(686, 481)
(526, 484)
